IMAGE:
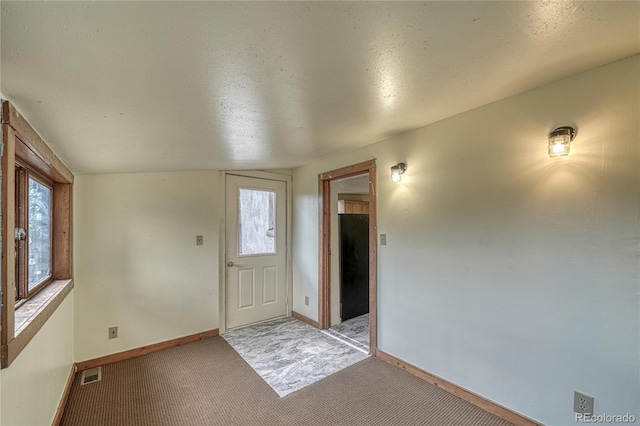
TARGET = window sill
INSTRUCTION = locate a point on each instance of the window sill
(32, 315)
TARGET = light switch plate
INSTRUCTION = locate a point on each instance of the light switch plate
(383, 239)
(113, 332)
(199, 240)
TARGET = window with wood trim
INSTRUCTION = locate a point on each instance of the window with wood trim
(33, 233)
(36, 268)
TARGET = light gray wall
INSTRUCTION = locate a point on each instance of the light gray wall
(509, 273)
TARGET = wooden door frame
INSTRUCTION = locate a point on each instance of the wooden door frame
(324, 238)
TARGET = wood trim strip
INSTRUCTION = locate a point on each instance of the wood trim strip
(65, 396)
(21, 248)
(34, 142)
(324, 260)
(353, 170)
(462, 393)
(62, 230)
(304, 319)
(26, 155)
(8, 241)
(373, 259)
(144, 350)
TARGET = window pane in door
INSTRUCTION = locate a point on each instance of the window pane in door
(256, 222)
(39, 232)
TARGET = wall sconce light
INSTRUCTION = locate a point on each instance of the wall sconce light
(397, 170)
(560, 141)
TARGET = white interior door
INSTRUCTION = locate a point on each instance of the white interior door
(255, 249)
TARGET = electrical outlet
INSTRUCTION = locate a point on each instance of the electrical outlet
(199, 240)
(383, 239)
(113, 332)
(582, 403)
(306, 300)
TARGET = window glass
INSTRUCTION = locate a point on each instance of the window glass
(256, 222)
(39, 232)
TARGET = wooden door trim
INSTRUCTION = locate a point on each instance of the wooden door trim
(324, 239)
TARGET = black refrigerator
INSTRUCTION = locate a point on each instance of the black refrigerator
(354, 265)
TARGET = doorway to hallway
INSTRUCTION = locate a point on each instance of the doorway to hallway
(331, 293)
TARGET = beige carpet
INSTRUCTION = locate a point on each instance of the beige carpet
(208, 383)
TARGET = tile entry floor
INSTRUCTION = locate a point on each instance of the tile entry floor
(289, 354)
(354, 331)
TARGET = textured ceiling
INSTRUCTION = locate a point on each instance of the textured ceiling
(158, 86)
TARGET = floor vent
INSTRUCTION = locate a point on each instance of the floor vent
(91, 375)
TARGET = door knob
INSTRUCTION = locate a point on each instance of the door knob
(230, 263)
